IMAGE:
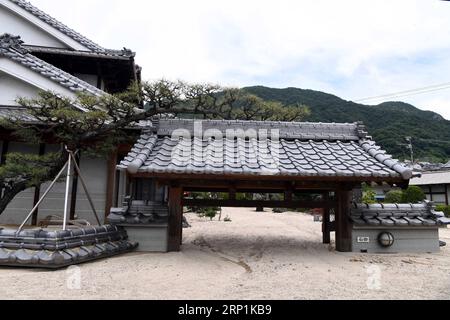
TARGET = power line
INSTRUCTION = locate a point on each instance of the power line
(406, 93)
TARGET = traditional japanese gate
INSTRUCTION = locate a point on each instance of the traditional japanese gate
(326, 159)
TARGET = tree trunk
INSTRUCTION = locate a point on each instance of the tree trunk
(11, 192)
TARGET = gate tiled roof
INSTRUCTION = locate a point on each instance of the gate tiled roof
(302, 149)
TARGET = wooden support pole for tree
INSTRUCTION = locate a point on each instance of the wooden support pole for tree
(175, 218)
(343, 223)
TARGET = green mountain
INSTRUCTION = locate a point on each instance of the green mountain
(389, 123)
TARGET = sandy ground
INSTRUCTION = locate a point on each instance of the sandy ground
(256, 256)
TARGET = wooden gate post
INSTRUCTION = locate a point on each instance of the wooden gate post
(343, 223)
(326, 230)
(175, 218)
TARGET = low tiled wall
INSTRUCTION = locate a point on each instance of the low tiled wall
(151, 238)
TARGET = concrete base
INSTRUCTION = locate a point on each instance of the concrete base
(406, 240)
(151, 238)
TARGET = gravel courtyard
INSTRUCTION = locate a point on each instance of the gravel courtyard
(256, 256)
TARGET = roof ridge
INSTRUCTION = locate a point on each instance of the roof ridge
(359, 125)
(124, 53)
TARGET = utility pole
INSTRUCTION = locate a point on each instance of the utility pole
(410, 147)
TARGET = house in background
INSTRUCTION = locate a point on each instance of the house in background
(381, 191)
(436, 185)
(37, 52)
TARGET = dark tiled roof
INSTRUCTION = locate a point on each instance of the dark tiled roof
(11, 48)
(68, 31)
(45, 248)
(397, 215)
(305, 149)
(139, 212)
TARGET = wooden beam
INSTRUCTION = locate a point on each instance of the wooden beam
(37, 191)
(175, 218)
(343, 223)
(258, 203)
(235, 177)
(248, 186)
(110, 182)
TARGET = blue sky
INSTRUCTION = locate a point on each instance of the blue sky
(351, 48)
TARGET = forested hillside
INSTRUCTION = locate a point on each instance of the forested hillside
(389, 123)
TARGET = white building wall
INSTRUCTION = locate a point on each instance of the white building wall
(30, 80)
(29, 33)
(12, 88)
(95, 173)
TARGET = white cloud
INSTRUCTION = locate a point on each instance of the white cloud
(351, 48)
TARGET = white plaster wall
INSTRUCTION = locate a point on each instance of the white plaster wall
(29, 79)
(94, 171)
(439, 198)
(12, 88)
(30, 34)
(95, 174)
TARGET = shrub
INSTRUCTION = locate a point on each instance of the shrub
(413, 194)
(210, 212)
(394, 196)
(368, 194)
(443, 208)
